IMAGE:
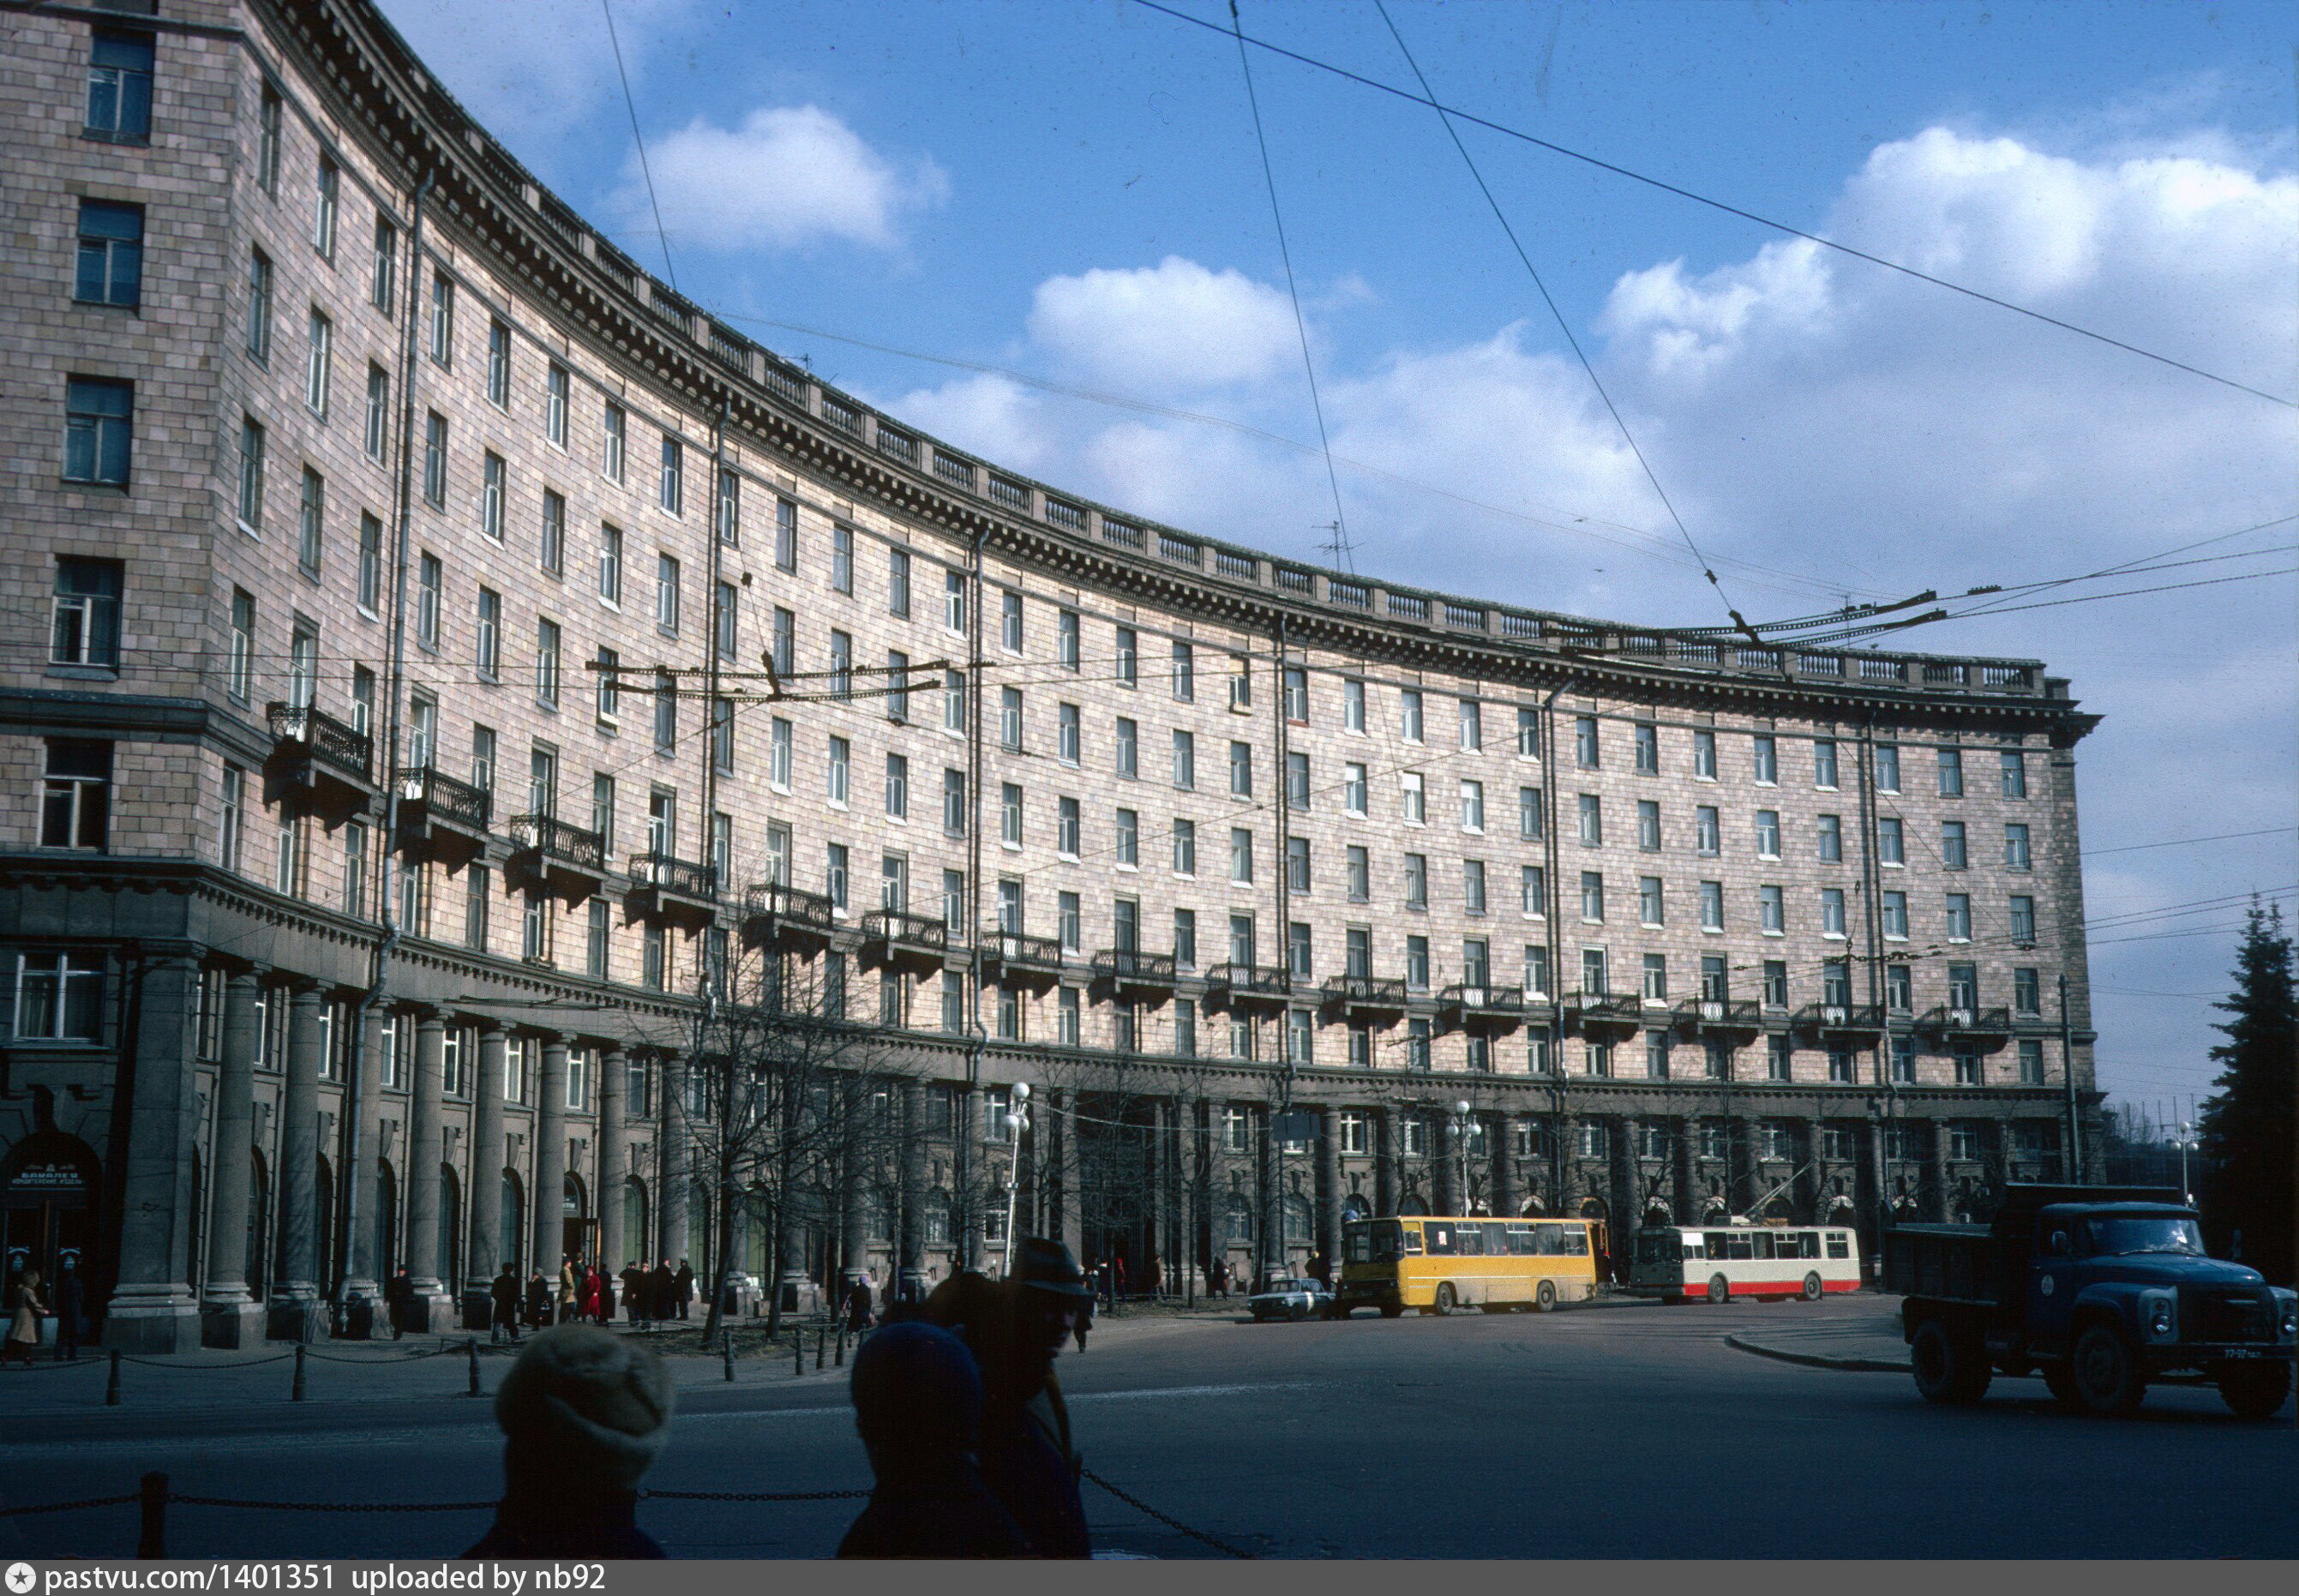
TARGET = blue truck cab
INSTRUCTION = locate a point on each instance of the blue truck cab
(2101, 1291)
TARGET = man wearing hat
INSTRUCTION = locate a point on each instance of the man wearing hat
(1016, 1328)
(917, 1405)
(585, 1414)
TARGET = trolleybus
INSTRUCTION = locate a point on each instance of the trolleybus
(1439, 1265)
(1722, 1262)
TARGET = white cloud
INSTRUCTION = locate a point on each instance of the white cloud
(533, 71)
(784, 178)
(1172, 326)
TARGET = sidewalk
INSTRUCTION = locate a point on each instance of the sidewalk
(1866, 1341)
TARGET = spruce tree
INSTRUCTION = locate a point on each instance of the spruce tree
(2248, 1129)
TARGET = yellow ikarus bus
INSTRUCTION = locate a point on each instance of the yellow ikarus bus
(1438, 1265)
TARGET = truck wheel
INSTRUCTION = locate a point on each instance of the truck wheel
(1720, 1290)
(2254, 1390)
(1446, 1300)
(1812, 1288)
(2107, 1379)
(2061, 1381)
(1949, 1368)
(1298, 1312)
(1544, 1296)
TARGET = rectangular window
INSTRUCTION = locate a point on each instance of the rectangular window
(1185, 938)
(1297, 694)
(1899, 990)
(2027, 992)
(1300, 961)
(376, 434)
(1069, 922)
(546, 664)
(488, 648)
(1704, 755)
(2032, 1062)
(1357, 866)
(494, 488)
(1772, 911)
(898, 665)
(1536, 971)
(1068, 1017)
(1952, 852)
(434, 460)
(1129, 749)
(953, 803)
(234, 817)
(1708, 831)
(1951, 772)
(611, 565)
(1297, 782)
(1823, 764)
(1185, 673)
(259, 307)
(1009, 631)
(1768, 834)
(443, 319)
(1831, 911)
(779, 752)
(551, 549)
(1896, 916)
(2023, 920)
(1473, 886)
(1765, 761)
(1416, 963)
(1185, 761)
(1587, 751)
(898, 787)
(1416, 881)
(1240, 855)
(429, 579)
(555, 385)
(355, 868)
(1408, 715)
(666, 712)
(1891, 846)
(1129, 839)
(498, 364)
(1240, 769)
(1959, 916)
(1592, 820)
(1413, 797)
(60, 997)
(1129, 652)
(1353, 704)
(1010, 814)
(1592, 897)
(1532, 891)
(837, 769)
(1472, 726)
(84, 626)
(1010, 719)
(672, 488)
(1712, 906)
(1068, 734)
(1594, 980)
(1649, 904)
(1472, 807)
(953, 700)
(76, 799)
(2015, 847)
(1648, 748)
(613, 427)
(666, 594)
(1831, 838)
(110, 269)
(1888, 767)
(474, 907)
(1186, 847)
(1776, 981)
(381, 285)
(1065, 639)
(323, 209)
(834, 876)
(1240, 683)
(120, 89)
(1353, 789)
(2015, 773)
(251, 476)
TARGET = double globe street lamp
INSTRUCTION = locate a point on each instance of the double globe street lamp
(1016, 1121)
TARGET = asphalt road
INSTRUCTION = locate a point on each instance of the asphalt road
(1614, 1433)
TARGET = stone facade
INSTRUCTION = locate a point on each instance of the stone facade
(394, 919)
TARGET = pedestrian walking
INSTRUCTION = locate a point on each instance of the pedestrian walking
(568, 1288)
(502, 1297)
(635, 1295)
(1118, 1283)
(659, 1303)
(606, 1297)
(538, 1302)
(917, 1405)
(72, 1310)
(25, 1309)
(857, 1307)
(585, 1414)
(397, 1292)
(1016, 1328)
(682, 1286)
(590, 1293)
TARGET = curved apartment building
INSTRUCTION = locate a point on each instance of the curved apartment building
(450, 673)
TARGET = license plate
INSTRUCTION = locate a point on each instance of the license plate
(2240, 1352)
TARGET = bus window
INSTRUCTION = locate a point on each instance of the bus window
(1357, 1243)
(1439, 1237)
(1496, 1240)
(1521, 1242)
(1739, 1245)
(1413, 1240)
(1717, 1245)
(1576, 1240)
(1469, 1240)
(1760, 1244)
(1811, 1240)
(1552, 1241)
(1693, 1247)
(1839, 1245)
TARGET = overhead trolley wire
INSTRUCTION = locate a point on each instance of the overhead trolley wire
(1424, 98)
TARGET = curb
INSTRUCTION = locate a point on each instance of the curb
(1874, 1366)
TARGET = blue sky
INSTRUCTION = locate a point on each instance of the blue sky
(1072, 194)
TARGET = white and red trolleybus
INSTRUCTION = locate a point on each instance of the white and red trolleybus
(1722, 1262)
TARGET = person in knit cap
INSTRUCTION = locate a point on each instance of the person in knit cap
(917, 1404)
(585, 1414)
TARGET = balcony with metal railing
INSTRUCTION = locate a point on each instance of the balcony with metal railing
(1374, 1000)
(564, 861)
(1133, 976)
(1951, 1022)
(1603, 1011)
(320, 760)
(677, 890)
(1721, 1017)
(784, 919)
(441, 817)
(897, 939)
(1015, 959)
(1470, 1006)
(1249, 985)
(1840, 1020)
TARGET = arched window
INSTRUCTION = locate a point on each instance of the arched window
(1593, 1208)
(636, 1239)
(1298, 1224)
(512, 1236)
(1356, 1208)
(937, 1226)
(1239, 1226)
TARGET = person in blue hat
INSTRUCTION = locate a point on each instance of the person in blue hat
(917, 1405)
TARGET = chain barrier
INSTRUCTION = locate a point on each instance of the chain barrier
(754, 1495)
(331, 1506)
(70, 1507)
(53, 1365)
(394, 1356)
(209, 1368)
(1168, 1519)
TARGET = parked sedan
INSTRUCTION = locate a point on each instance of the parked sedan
(1291, 1299)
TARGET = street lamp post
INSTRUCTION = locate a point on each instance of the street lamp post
(1017, 1120)
(2186, 1132)
(1461, 1139)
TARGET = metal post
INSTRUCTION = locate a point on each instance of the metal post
(152, 1537)
(296, 1393)
(112, 1384)
(839, 1357)
(821, 1348)
(471, 1351)
(727, 1347)
(798, 1352)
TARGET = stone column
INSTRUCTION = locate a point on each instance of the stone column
(1813, 1178)
(359, 1177)
(1071, 1222)
(483, 1257)
(1565, 1200)
(549, 1198)
(615, 1250)
(673, 1203)
(295, 1292)
(429, 1305)
(1934, 1202)
(1446, 1198)
(910, 1257)
(1331, 1192)
(1506, 1197)
(229, 1315)
(1686, 1204)
(1386, 1135)
(152, 1308)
